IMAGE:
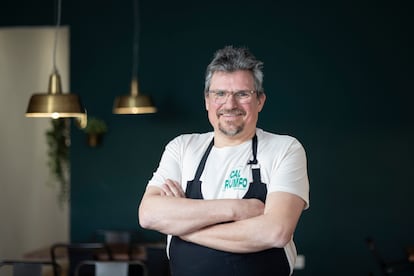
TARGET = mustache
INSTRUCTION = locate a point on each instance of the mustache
(234, 111)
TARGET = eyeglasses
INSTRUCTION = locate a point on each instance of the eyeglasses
(241, 96)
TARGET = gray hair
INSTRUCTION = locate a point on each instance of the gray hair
(231, 59)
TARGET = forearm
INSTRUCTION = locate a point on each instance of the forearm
(251, 235)
(179, 216)
(274, 228)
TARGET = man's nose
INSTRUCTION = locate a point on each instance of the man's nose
(231, 99)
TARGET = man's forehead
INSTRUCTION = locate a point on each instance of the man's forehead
(241, 77)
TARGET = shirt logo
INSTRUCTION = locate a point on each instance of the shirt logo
(235, 181)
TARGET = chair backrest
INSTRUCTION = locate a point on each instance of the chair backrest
(79, 252)
(112, 268)
(115, 236)
(30, 267)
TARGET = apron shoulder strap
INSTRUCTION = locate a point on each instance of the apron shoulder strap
(202, 164)
(254, 150)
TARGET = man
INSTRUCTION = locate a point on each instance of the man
(229, 200)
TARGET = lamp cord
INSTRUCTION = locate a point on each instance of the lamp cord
(135, 49)
(58, 18)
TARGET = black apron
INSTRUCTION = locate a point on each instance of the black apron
(190, 259)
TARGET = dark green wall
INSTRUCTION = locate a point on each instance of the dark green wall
(338, 76)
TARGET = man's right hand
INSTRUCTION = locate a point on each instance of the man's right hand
(172, 188)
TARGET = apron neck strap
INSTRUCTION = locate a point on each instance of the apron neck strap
(254, 150)
(202, 164)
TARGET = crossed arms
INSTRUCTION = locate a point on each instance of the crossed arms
(233, 225)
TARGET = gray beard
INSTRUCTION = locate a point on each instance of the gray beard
(236, 129)
(231, 132)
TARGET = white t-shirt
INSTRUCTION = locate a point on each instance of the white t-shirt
(281, 158)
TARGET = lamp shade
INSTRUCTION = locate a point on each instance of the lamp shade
(55, 104)
(44, 105)
(134, 103)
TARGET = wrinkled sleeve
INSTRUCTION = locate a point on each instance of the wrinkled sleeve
(169, 166)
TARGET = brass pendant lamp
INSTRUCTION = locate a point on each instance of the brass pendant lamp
(54, 104)
(134, 103)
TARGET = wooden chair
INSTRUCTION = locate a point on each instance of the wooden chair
(388, 267)
(119, 241)
(79, 252)
(30, 267)
(113, 236)
(113, 268)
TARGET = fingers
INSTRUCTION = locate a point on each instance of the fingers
(172, 188)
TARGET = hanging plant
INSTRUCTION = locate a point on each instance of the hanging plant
(95, 129)
(58, 142)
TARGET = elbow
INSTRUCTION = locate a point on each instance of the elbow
(280, 237)
(148, 220)
(144, 222)
(144, 218)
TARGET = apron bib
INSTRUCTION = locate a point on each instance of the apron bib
(190, 259)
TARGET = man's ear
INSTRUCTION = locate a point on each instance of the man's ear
(261, 101)
(206, 102)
